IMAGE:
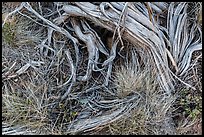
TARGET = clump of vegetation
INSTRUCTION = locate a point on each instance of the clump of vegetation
(24, 108)
(190, 103)
(9, 32)
(153, 113)
(128, 80)
(188, 112)
(19, 31)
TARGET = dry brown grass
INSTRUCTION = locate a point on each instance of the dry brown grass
(153, 114)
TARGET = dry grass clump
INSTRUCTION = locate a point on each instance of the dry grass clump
(24, 99)
(152, 115)
(19, 31)
(24, 108)
(129, 80)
